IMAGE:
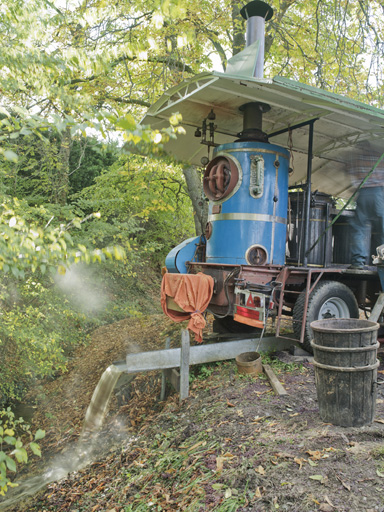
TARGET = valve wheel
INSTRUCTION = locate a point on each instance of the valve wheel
(220, 178)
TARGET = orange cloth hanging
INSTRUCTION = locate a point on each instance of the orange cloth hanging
(191, 293)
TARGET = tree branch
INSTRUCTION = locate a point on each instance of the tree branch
(171, 63)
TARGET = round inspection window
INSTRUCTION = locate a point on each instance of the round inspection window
(220, 178)
(208, 230)
(256, 255)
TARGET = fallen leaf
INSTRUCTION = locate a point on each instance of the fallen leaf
(230, 404)
(240, 413)
(346, 486)
(312, 463)
(228, 493)
(299, 461)
(379, 473)
(314, 455)
(329, 501)
(258, 492)
(320, 478)
(260, 470)
(219, 463)
(256, 419)
(379, 421)
(200, 443)
(294, 414)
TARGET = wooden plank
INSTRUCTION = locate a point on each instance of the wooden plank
(173, 377)
(277, 387)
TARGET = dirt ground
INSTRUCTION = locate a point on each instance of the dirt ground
(233, 445)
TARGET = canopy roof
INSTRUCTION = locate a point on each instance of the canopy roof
(341, 122)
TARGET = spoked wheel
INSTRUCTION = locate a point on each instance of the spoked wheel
(330, 299)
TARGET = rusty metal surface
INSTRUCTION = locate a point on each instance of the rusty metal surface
(293, 280)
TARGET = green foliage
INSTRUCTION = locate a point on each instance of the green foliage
(332, 45)
(204, 371)
(35, 175)
(87, 160)
(281, 366)
(143, 205)
(30, 246)
(39, 329)
(16, 443)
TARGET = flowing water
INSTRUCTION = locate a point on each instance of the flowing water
(100, 399)
(82, 453)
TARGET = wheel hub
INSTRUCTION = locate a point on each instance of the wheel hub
(335, 307)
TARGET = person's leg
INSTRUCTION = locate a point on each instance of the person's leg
(378, 218)
(360, 228)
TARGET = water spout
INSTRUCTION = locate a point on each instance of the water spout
(82, 453)
(97, 408)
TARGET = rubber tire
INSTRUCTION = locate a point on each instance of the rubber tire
(324, 291)
(231, 326)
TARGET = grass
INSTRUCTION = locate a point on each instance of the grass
(378, 454)
(280, 366)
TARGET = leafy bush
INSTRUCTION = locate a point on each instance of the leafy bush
(38, 330)
(16, 443)
(143, 205)
(38, 327)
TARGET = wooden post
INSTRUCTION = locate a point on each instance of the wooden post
(163, 373)
(377, 309)
(184, 365)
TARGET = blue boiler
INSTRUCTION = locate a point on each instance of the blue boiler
(247, 187)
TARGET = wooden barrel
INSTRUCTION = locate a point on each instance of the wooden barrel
(345, 360)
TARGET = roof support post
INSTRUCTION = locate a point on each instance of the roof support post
(308, 192)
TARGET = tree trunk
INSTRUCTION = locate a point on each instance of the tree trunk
(238, 28)
(195, 192)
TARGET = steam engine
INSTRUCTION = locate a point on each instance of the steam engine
(266, 245)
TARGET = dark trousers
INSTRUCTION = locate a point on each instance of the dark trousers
(369, 215)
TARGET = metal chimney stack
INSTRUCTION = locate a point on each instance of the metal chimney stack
(256, 13)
